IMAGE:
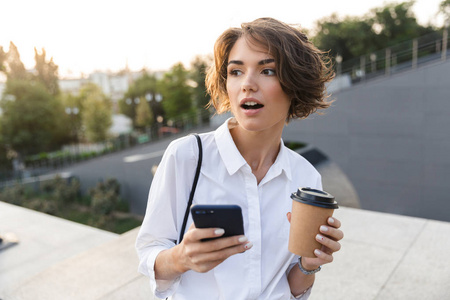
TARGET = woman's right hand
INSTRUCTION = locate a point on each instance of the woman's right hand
(202, 256)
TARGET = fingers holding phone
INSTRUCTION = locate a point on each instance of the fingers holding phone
(215, 235)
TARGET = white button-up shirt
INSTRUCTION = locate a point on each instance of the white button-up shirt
(225, 178)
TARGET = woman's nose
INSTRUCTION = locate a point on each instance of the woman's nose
(249, 83)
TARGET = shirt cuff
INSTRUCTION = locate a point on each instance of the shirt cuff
(161, 288)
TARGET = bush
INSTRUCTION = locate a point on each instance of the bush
(43, 205)
(102, 208)
(105, 196)
(15, 194)
(62, 190)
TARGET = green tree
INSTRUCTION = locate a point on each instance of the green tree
(73, 107)
(5, 159)
(47, 72)
(144, 115)
(97, 113)
(349, 37)
(15, 68)
(3, 56)
(177, 93)
(198, 73)
(33, 119)
(444, 10)
(145, 87)
(381, 28)
(397, 23)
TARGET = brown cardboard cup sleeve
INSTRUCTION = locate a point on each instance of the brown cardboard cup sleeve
(310, 209)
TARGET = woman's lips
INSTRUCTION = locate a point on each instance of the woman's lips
(251, 104)
(251, 110)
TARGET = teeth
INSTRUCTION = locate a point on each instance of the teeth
(251, 103)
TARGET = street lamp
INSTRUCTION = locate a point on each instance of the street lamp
(73, 112)
(373, 59)
(339, 66)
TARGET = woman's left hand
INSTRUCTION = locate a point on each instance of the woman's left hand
(329, 237)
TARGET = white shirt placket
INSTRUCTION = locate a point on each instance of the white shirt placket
(254, 232)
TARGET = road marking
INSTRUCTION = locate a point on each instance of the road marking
(139, 157)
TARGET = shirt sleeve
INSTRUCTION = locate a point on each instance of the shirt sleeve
(166, 206)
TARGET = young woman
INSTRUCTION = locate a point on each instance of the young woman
(265, 73)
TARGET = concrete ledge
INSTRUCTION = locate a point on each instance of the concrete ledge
(44, 240)
(387, 256)
(383, 256)
(104, 272)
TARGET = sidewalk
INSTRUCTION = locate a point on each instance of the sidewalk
(383, 256)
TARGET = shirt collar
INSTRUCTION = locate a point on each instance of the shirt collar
(231, 156)
(282, 162)
(233, 159)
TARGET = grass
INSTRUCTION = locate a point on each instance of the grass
(116, 222)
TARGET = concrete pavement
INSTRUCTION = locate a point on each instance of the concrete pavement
(383, 256)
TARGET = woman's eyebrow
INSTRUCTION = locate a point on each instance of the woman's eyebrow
(266, 61)
(262, 62)
(235, 62)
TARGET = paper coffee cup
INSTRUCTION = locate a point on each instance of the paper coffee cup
(310, 209)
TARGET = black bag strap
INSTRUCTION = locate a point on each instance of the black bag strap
(194, 185)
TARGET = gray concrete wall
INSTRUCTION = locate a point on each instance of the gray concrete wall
(391, 136)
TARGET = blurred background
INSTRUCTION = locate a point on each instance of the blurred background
(92, 92)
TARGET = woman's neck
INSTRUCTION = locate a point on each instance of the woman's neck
(259, 149)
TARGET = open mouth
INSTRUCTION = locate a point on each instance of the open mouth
(251, 105)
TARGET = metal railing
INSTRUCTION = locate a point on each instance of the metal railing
(398, 58)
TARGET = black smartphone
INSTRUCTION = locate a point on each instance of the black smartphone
(228, 217)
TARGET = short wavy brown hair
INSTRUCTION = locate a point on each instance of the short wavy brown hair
(302, 69)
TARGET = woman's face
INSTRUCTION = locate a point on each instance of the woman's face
(257, 100)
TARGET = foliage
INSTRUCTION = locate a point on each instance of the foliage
(177, 93)
(348, 37)
(294, 145)
(15, 68)
(444, 10)
(62, 198)
(198, 73)
(47, 72)
(62, 190)
(33, 120)
(381, 28)
(145, 87)
(105, 196)
(74, 113)
(5, 157)
(3, 56)
(42, 205)
(397, 23)
(97, 113)
(15, 194)
(144, 115)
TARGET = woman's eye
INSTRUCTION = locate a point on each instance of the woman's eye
(235, 72)
(270, 72)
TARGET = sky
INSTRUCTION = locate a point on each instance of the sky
(106, 35)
